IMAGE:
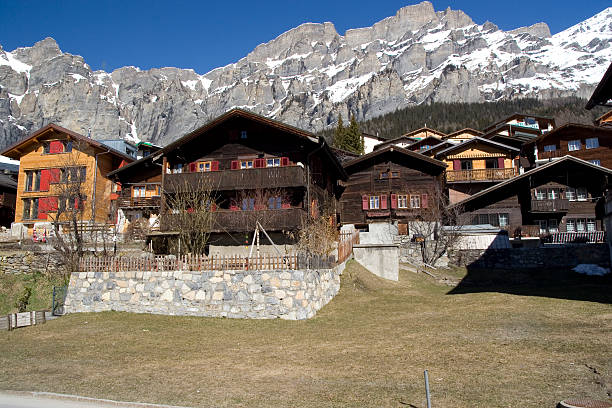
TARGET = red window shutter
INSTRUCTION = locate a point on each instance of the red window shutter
(456, 164)
(365, 202)
(235, 165)
(56, 146)
(257, 163)
(45, 174)
(52, 204)
(393, 200)
(383, 202)
(193, 167)
(214, 166)
(42, 208)
(54, 175)
(423, 200)
(284, 161)
(500, 162)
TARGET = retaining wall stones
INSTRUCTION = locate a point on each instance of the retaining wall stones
(285, 294)
(28, 262)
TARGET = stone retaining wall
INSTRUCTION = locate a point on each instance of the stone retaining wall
(28, 262)
(548, 256)
(293, 294)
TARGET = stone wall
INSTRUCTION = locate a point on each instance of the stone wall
(548, 256)
(28, 262)
(285, 294)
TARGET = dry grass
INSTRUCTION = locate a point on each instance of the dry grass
(368, 347)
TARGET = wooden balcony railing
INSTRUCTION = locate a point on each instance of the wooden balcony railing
(550, 205)
(138, 202)
(269, 177)
(241, 221)
(479, 175)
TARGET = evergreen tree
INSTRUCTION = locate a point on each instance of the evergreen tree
(339, 134)
(354, 140)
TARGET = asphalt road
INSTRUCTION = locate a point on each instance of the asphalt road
(23, 400)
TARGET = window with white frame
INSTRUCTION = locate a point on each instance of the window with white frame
(581, 193)
(596, 162)
(570, 225)
(540, 194)
(553, 225)
(580, 225)
(553, 193)
(138, 191)
(550, 148)
(273, 162)
(592, 143)
(503, 219)
(570, 194)
(246, 164)
(591, 226)
(204, 166)
(415, 201)
(374, 202)
(543, 226)
(402, 201)
(573, 145)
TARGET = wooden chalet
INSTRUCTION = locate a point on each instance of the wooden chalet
(602, 95)
(431, 152)
(53, 156)
(424, 144)
(423, 133)
(563, 196)
(390, 184)
(519, 122)
(462, 135)
(604, 120)
(476, 164)
(8, 199)
(402, 141)
(407, 139)
(589, 143)
(258, 169)
(370, 140)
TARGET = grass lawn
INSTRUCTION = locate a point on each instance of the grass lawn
(368, 347)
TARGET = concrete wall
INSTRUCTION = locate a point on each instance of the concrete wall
(382, 260)
(285, 294)
(379, 233)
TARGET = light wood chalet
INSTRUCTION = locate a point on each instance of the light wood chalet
(476, 164)
(389, 184)
(462, 135)
(53, 156)
(604, 120)
(565, 195)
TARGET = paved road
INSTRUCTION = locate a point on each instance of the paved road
(43, 400)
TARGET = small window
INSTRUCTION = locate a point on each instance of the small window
(591, 225)
(29, 180)
(550, 148)
(46, 148)
(570, 225)
(581, 193)
(504, 218)
(246, 164)
(138, 191)
(483, 219)
(67, 147)
(570, 194)
(395, 174)
(553, 225)
(573, 145)
(36, 181)
(384, 175)
(204, 166)
(491, 164)
(243, 134)
(540, 194)
(402, 201)
(592, 143)
(553, 193)
(26, 209)
(374, 202)
(580, 225)
(596, 162)
(466, 165)
(415, 201)
(273, 162)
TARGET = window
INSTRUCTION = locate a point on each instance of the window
(592, 143)
(243, 134)
(29, 180)
(204, 166)
(246, 164)
(395, 174)
(483, 219)
(570, 225)
(138, 191)
(550, 148)
(248, 204)
(34, 213)
(596, 162)
(274, 203)
(580, 225)
(466, 165)
(553, 193)
(415, 201)
(425, 147)
(384, 175)
(273, 162)
(402, 201)
(36, 181)
(591, 226)
(67, 147)
(153, 190)
(543, 226)
(26, 209)
(581, 193)
(570, 194)
(504, 218)
(374, 202)
(491, 164)
(540, 194)
(553, 225)
(573, 145)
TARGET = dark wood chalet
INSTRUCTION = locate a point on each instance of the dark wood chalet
(389, 184)
(602, 95)
(589, 143)
(258, 170)
(563, 196)
(425, 143)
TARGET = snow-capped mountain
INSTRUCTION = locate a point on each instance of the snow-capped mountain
(308, 76)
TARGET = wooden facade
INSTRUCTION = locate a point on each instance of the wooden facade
(389, 184)
(53, 156)
(561, 196)
(462, 135)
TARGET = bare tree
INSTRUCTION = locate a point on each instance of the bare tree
(319, 233)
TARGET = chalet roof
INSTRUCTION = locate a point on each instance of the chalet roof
(476, 139)
(7, 182)
(474, 132)
(572, 126)
(371, 136)
(431, 165)
(424, 129)
(408, 140)
(509, 187)
(496, 133)
(13, 151)
(604, 116)
(602, 95)
(440, 146)
(236, 112)
(517, 115)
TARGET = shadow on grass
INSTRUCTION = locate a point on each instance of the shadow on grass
(553, 283)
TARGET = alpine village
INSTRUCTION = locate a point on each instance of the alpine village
(493, 240)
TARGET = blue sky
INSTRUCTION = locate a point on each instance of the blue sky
(207, 34)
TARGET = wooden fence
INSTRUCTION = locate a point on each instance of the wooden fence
(15, 320)
(345, 245)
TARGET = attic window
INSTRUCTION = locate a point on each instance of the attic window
(243, 134)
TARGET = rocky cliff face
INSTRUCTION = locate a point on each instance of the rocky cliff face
(308, 76)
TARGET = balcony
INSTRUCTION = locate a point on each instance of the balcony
(243, 221)
(269, 177)
(549, 205)
(138, 202)
(463, 176)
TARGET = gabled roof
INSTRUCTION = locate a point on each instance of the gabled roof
(496, 133)
(516, 116)
(509, 185)
(400, 154)
(476, 139)
(434, 149)
(13, 151)
(371, 136)
(426, 130)
(606, 115)
(405, 139)
(573, 126)
(474, 132)
(603, 92)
